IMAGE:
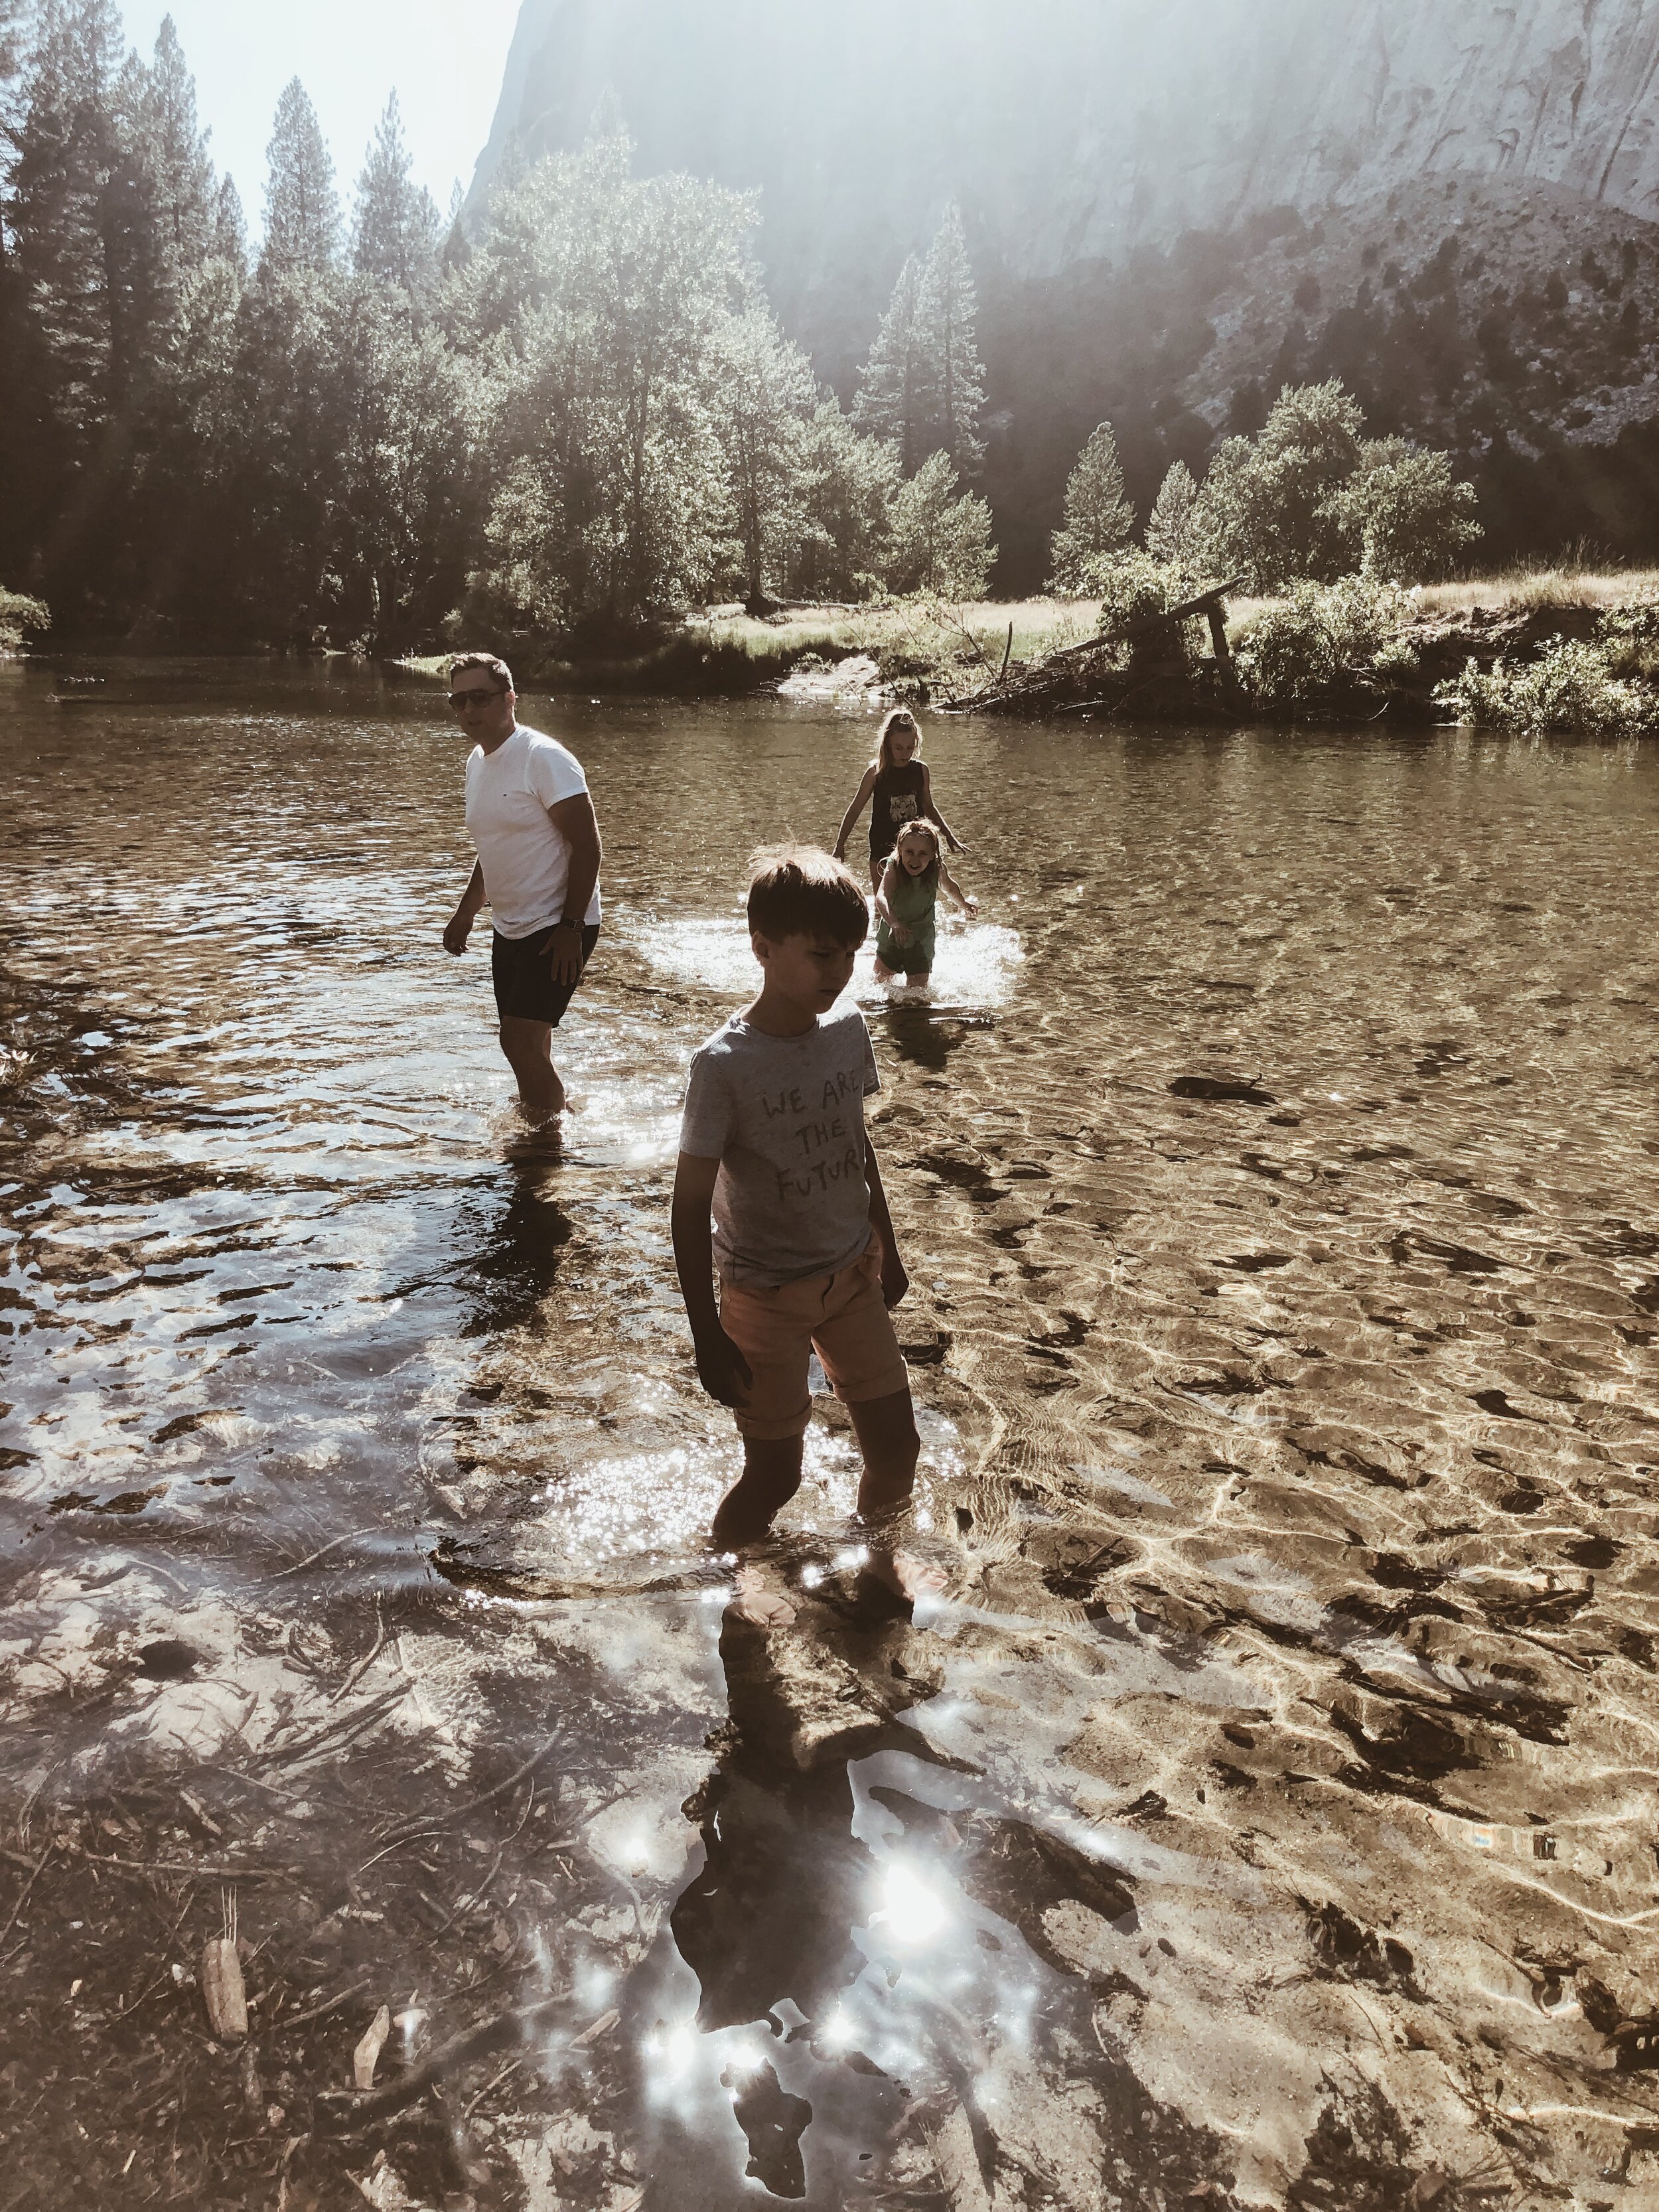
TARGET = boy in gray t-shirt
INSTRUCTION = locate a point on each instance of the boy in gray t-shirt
(773, 1148)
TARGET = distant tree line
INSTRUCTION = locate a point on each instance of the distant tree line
(580, 415)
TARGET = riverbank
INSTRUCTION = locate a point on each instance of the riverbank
(924, 645)
(1535, 650)
(1561, 646)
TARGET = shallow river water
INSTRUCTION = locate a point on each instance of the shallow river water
(1266, 1809)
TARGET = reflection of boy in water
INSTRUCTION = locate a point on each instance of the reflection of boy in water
(774, 1147)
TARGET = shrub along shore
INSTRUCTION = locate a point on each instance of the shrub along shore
(1552, 649)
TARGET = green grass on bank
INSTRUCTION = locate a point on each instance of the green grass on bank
(725, 650)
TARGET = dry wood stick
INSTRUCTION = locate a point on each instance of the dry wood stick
(343, 2111)
(23, 1897)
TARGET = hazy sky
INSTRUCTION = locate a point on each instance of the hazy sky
(443, 58)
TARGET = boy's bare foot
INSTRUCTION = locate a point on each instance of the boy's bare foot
(906, 1574)
(761, 1598)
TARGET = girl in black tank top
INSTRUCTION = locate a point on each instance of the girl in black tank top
(897, 789)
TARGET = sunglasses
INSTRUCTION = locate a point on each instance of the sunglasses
(460, 701)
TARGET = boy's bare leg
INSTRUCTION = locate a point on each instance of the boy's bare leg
(770, 1478)
(886, 1431)
(887, 1435)
(529, 1049)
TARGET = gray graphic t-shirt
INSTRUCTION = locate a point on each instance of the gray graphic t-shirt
(784, 1116)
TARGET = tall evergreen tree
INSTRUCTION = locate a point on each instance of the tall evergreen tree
(395, 223)
(457, 245)
(955, 375)
(895, 396)
(1176, 532)
(1099, 519)
(302, 214)
(227, 242)
(181, 175)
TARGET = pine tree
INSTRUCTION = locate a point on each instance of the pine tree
(1175, 531)
(767, 393)
(302, 215)
(1099, 519)
(395, 224)
(12, 51)
(67, 151)
(229, 239)
(182, 182)
(895, 397)
(955, 375)
(457, 250)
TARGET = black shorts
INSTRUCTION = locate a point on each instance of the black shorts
(521, 970)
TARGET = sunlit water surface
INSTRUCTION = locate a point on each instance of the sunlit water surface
(1264, 1805)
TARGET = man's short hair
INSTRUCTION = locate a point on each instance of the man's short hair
(493, 662)
(796, 891)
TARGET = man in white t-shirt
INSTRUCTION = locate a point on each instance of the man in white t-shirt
(532, 819)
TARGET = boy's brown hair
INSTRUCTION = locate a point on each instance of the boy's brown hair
(796, 891)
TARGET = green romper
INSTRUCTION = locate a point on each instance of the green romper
(915, 901)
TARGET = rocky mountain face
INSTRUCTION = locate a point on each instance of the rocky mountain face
(1167, 206)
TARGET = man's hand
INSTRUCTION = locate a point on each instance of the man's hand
(721, 1368)
(894, 1280)
(456, 930)
(564, 952)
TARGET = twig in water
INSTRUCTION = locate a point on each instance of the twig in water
(343, 2111)
(299, 1565)
(427, 1821)
(163, 1977)
(23, 1897)
(330, 2004)
(359, 1715)
(511, 2066)
(363, 1665)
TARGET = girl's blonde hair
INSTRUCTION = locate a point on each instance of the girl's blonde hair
(920, 826)
(901, 718)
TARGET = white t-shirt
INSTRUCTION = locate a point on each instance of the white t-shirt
(526, 863)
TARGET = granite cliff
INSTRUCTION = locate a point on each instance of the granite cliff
(1121, 172)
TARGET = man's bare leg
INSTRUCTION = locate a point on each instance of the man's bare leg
(770, 1478)
(529, 1049)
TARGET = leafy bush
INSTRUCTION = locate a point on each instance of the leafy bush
(1405, 511)
(940, 541)
(1132, 587)
(1570, 688)
(1310, 495)
(20, 614)
(1298, 648)
(1630, 636)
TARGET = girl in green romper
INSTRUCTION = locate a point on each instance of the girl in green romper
(906, 901)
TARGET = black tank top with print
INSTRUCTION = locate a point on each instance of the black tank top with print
(894, 800)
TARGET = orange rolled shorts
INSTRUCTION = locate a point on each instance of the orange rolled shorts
(843, 1315)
